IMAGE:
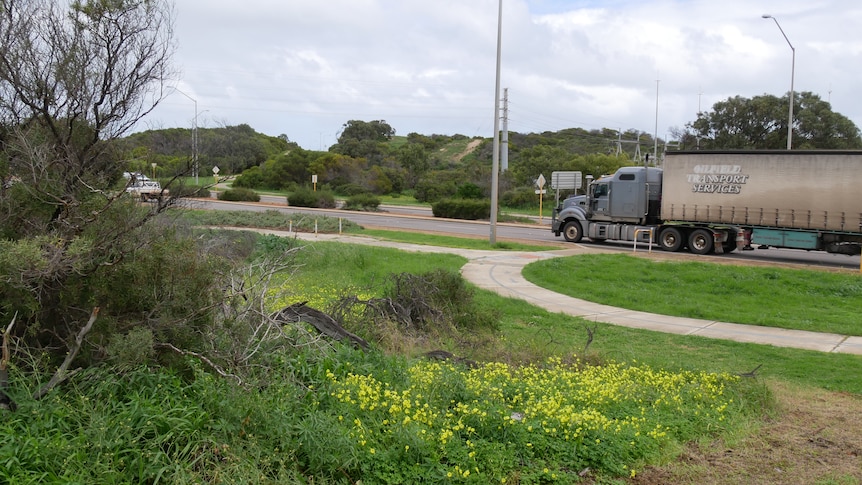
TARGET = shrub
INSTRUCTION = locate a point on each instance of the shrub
(520, 197)
(350, 189)
(366, 202)
(239, 195)
(304, 197)
(470, 209)
(183, 190)
(469, 191)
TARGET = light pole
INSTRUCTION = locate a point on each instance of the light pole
(792, 72)
(194, 136)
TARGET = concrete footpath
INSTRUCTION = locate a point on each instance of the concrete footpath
(500, 271)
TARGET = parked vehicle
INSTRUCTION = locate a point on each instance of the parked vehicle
(139, 185)
(720, 201)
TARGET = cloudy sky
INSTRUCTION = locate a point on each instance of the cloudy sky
(303, 68)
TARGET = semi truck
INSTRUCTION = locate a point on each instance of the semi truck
(721, 201)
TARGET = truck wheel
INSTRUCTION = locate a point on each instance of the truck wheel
(700, 241)
(670, 239)
(572, 231)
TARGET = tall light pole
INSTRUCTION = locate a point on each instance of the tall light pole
(495, 157)
(792, 72)
(194, 136)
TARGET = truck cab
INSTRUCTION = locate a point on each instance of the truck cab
(630, 195)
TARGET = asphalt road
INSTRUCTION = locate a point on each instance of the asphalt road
(418, 219)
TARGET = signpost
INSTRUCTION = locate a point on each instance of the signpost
(215, 173)
(314, 182)
(540, 183)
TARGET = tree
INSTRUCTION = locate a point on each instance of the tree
(364, 139)
(74, 77)
(761, 123)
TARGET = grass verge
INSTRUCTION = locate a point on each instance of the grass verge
(816, 301)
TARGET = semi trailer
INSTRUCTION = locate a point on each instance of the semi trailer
(721, 201)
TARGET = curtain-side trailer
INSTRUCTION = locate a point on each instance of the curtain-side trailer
(719, 201)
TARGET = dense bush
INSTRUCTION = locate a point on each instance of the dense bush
(362, 202)
(183, 190)
(305, 197)
(350, 189)
(239, 195)
(469, 191)
(250, 178)
(520, 197)
(436, 185)
(471, 209)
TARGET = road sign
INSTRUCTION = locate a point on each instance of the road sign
(541, 192)
(540, 182)
(566, 180)
(215, 170)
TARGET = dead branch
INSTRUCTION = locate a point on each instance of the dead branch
(202, 357)
(6, 402)
(325, 324)
(591, 331)
(62, 374)
(752, 373)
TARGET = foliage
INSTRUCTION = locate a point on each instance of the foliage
(364, 139)
(774, 297)
(365, 202)
(305, 197)
(520, 197)
(761, 123)
(74, 77)
(190, 190)
(239, 195)
(271, 219)
(469, 191)
(324, 416)
(232, 148)
(436, 185)
(471, 209)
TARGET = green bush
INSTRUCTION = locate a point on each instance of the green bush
(469, 191)
(239, 195)
(362, 202)
(470, 209)
(183, 190)
(349, 189)
(305, 197)
(519, 198)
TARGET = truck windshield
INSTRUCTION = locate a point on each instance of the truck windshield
(601, 190)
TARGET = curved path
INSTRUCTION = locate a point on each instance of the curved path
(500, 271)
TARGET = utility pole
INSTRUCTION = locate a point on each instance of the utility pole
(655, 135)
(504, 148)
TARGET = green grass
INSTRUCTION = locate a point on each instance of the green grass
(337, 415)
(533, 334)
(451, 242)
(816, 301)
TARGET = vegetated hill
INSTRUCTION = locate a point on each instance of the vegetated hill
(460, 151)
(231, 148)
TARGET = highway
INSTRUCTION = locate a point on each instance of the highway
(418, 219)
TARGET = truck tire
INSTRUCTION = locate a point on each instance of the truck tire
(670, 239)
(573, 232)
(700, 241)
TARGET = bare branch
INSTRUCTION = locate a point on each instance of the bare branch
(202, 357)
(61, 374)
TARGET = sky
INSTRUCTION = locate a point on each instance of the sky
(304, 68)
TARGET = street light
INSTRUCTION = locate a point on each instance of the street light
(194, 136)
(792, 71)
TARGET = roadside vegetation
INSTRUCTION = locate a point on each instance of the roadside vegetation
(770, 297)
(386, 415)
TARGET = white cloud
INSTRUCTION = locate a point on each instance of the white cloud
(305, 67)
